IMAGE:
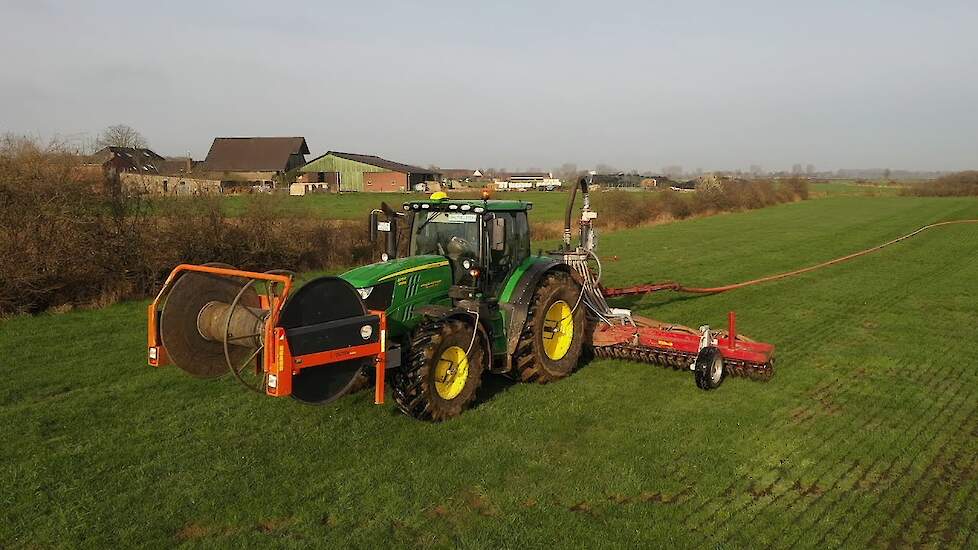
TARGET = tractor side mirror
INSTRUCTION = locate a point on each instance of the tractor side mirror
(498, 237)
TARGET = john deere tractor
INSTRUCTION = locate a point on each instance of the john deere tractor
(469, 298)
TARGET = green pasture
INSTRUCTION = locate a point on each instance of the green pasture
(547, 206)
(867, 436)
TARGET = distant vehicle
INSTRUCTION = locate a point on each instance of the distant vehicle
(514, 185)
(548, 184)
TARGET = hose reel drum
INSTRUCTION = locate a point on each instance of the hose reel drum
(212, 324)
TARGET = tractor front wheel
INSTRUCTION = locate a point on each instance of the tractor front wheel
(553, 337)
(439, 379)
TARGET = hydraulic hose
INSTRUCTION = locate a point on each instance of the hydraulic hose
(669, 285)
(569, 213)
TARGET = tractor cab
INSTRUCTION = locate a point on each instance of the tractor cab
(483, 240)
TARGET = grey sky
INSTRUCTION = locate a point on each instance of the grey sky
(716, 85)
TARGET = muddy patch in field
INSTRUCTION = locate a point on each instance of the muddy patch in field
(470, 500)
(439, 511)
(760, 491)
(403, 534)
(194, 531)
(653, 497)
(582, 507)
(821, 402)
(806, 490)
(274, 525)
(480, 503)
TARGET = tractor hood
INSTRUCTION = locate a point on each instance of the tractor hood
(370, 275)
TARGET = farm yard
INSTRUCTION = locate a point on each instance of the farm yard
(866, 436)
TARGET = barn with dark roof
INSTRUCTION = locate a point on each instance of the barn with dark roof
(256, 158)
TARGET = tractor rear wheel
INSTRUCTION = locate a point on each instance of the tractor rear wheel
(439, 379)
(553, 337)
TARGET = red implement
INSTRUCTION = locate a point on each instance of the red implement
(678, 346)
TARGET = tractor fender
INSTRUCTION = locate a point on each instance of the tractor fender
(444, 313)
(517, 302)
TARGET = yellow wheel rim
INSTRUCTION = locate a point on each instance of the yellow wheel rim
(558, 330)
(451, 372)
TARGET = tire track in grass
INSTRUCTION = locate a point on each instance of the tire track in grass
(931, 374)
(867, 435)
(915, 514)
(852, 449)
(856, 308)
(861, 312)
(778, 419)
(823, 540)
(899, 537)
(748, 484)
(953, 528)
(939, 512)
(875, 417)
(960, 379)
(752, 495)
(967, 539)
(802, 494)
(813, 338)
(888, 473)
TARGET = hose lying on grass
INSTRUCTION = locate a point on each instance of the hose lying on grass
(669, 285)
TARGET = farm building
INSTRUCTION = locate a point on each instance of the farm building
(182, 185)
(116, 160)
(460, 176)
(256, 159)
(617, 181)
(527, 180)
(354, 172)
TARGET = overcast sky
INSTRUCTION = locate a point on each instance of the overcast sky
(643, 84)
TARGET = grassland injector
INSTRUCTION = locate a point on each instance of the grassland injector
(468, 298)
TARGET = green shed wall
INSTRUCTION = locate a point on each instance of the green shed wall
(351, 171)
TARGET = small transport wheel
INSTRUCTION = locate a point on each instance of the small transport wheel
(709, 368)
(439, 379)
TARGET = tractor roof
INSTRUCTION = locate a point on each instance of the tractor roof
(468, 205)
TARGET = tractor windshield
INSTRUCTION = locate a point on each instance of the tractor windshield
(451, 234)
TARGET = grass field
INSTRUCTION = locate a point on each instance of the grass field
(356, 206)
(866, 436)
(849, 187)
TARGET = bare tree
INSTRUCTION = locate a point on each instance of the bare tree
(121, 135)
(567, 172)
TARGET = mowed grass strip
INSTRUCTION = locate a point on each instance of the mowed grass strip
(866, 435)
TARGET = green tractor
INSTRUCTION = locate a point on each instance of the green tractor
(469, 298)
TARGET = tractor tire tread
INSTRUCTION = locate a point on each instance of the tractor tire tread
(412, 394)
(527, 364)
